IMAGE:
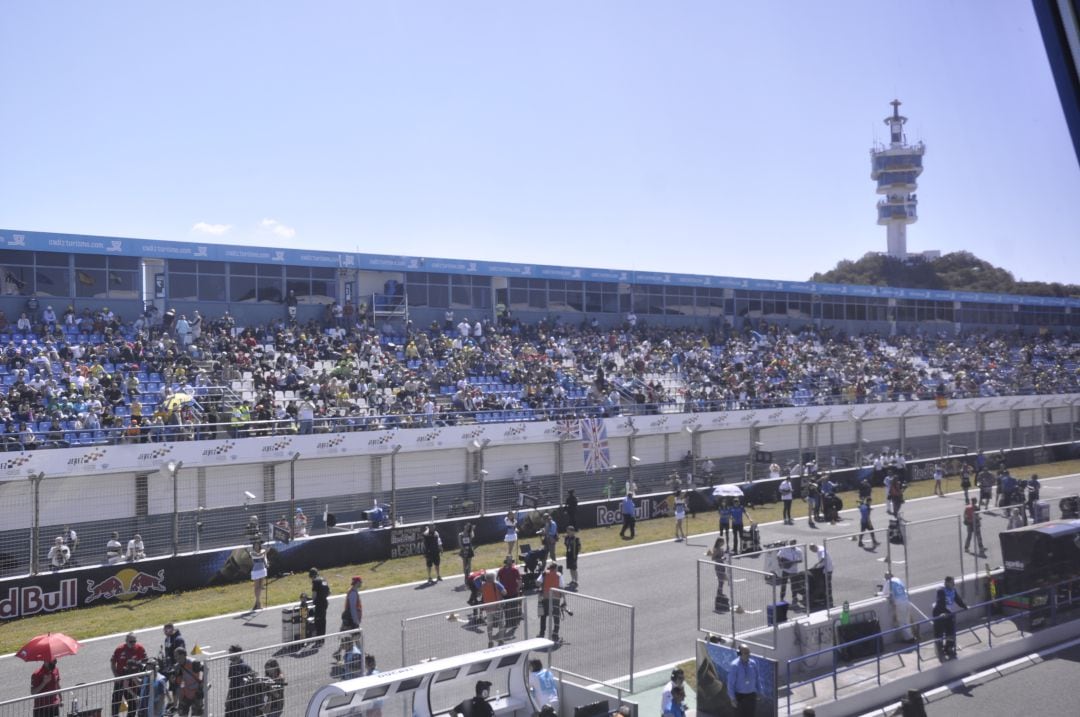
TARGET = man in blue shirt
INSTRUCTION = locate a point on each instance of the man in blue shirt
(542, 685)
(865, 526)
(1008, 490)
(628, 518)
(744, 683)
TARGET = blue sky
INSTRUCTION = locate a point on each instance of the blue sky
(714, 136)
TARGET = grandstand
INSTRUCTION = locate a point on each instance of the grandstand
(121, 342)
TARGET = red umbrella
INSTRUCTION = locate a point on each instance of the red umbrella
(45, 648)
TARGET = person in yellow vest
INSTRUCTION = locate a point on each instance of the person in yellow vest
(549, 580)
(491, 592)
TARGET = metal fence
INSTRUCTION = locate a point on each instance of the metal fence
(824, 673)
(184, 509)
(596, 639)
(91, 698)
(858, 570)
(213, 509)
(734, 601)
(303, 667)
(466, 629)
(932, 549)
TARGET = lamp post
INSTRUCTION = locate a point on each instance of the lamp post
(393, 482)
(292, 485)
(35, 534)
(693, 431)
(477, 447)
(174, 467)
(198, 528)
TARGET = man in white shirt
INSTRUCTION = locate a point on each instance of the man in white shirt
(59, 555)
(786, 496)
(135, 548)
(897, 595)
(114, 550)
(678, 678)
(790, 558)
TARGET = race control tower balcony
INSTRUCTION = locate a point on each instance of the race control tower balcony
(893, 211)
(893, 182)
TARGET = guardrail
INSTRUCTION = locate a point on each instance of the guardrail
(1046, 613)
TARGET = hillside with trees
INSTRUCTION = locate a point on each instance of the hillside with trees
(958, 271)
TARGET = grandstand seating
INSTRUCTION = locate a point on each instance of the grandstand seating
(113, 383)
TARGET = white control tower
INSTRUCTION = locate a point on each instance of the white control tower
(895, 169)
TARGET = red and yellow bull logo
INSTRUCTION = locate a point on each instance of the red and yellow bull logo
(124, 585)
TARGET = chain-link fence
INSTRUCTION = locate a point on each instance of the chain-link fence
(596, 638)
(466, 629)
(280, 679)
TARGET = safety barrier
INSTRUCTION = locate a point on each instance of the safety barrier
(835, 669)
(466, 629)
(735, 601)
(596, 639)
(276, 680)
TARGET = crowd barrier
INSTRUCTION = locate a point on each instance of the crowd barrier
(465, 629)
(278, 680)
(597, 639)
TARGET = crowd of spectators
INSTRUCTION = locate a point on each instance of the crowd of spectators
(90, 377)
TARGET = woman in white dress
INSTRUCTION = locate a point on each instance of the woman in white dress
(259, 564)
(511, 538)
(680, 516)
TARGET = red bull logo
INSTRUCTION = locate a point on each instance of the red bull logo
(124, 585)
(33, 600)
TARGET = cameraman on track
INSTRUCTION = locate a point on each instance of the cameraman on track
(126, 660)
(187, 676)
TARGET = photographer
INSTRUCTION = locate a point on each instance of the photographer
(239, 700)
(187, 677)
(173, 640)
(272, 694)
(125, 661)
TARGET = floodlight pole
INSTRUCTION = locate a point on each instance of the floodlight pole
(173, 467)
(393, 482)
(35, 534)
(292, 485)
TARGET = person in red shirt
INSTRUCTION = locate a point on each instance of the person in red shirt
(510, 577)
(46, 679)
(127, 659)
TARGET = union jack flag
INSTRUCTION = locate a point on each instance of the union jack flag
(594, 444)
(568, 428)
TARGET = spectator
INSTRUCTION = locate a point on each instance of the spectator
(59, 554)
(135, 549)
(114, 549)
(300, 524)
(46, 679)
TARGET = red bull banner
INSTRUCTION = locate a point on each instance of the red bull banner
(53, 592)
